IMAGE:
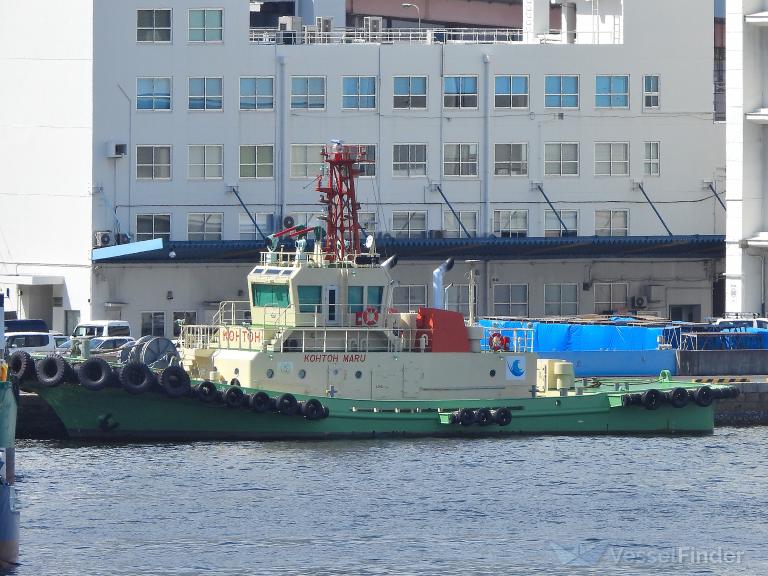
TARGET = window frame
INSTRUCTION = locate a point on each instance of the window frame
(510, 233)
(291, 162)
(411, 95)
(175, 328)
(611, 226)
(573, 232)
(359, 96)
(205, 27)
(256, 165)
(410, 161)
(154, 97)
(205, 224)
(460, 163)
(461, 94)
(652, 93)
(154, 164)
(512, 94)
(650, 162)
(561, 95)
(561, 161)
(154, 235)
(419, 233)
(365, 222)
(610, 304)
(364, 166)
(266, 227)
(256, 95)
(154, 313)
(561, 301)
(205, 165)
(458, 232)
(611, 94)
(511, 303)
(410, 287)
(205, 97)
(523, 163)
(307, 95)
(155, 28)
(611, 161)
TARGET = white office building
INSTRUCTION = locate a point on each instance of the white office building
(581, 166)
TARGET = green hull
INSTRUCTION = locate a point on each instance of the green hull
(113, 414)
(8, 409)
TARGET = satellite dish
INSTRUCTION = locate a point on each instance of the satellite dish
(160, 352)
(288, 222)
(369, 241)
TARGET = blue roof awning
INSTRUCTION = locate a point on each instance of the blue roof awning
(491, 248)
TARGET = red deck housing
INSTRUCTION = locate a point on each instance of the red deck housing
(445, 330)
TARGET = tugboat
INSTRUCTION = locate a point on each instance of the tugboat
(318, 352)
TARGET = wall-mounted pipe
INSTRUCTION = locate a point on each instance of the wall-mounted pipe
(437, 282)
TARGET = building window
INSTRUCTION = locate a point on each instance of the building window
(153, 323)
(153, 26)
(553, 228)
(153, 94)
(457, 298)
(205, 94)
(561, 299)
(651, 91)
(409, 224)
(652, 164)
(510, 160)
(410, 92)
(367, 169)
(206, 26)
(257, 161)
(611, 159)
(460, 160)
(257, 93)
(561, 159)
(510, 223)
(460, 92)
(204, 225)
(153, 162)
(308, 92)
(452, 225)
(206, 162)
(306, 160)
(248, 230)
(151, 226)
(183, 319)
(510, 300)
(610, 298)
(367, 221)
(612, 92)
(611, 222)
(306, 219)
(511, 92)
(359, 93)
(561, 92)
(409, 160)
(410, 297)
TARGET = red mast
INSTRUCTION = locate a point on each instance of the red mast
(342, 228)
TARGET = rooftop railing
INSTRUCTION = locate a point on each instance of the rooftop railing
(309, 35)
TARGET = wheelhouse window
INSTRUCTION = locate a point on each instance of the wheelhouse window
(310, 299)
(270, 295)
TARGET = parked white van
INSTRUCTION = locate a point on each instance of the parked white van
(33, 342)
(102, 328)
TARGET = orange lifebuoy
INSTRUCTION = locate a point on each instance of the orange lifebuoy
(496, 341)
(370, 316)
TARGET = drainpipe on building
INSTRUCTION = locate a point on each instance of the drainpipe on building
(485, 227)
(281, 145)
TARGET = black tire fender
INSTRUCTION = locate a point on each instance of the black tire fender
(21, 366)
(503, 416)
(136, 377)
(483, 417)
(466, 416)
(652, 399)
(260, 402)
(175, 381)
(678, 397)
(313, 409)
(234, 397)
(95, 374)
(287, 404)
(703, 396)
(207, 392)
(51, 370)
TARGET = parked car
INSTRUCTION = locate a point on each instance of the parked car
(16, 326)
(109, 344)
(31, 342)
(96, 328)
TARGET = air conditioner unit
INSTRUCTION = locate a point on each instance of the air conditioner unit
(289, 23)
(373, 24)
(639, 302)
(324, 24)
(103, 238)
(116, 150)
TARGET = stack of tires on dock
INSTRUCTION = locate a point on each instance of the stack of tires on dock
(135, 377)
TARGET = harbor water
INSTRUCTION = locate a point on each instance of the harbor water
(539, 505)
